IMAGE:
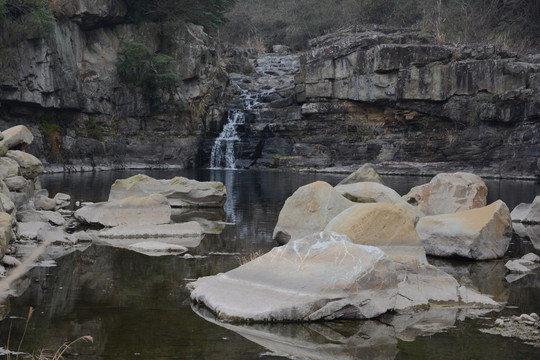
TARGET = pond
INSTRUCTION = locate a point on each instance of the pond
(137, 307)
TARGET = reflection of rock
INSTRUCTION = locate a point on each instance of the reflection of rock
(212, 220)
(157, 248)
(366, 173)
(449, 193)
(152, 209)
(323, 276)
(189, 229)
(125, 243)
(480, 234)
(308, 210)
(528, 231)
(332, 340)
(179, 191)
(485, 276)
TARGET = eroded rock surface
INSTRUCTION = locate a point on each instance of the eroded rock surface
(320, 277)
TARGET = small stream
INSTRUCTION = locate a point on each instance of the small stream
(137, 306)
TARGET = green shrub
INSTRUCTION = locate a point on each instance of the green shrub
(25, 19)
(93, 130)
(150, 71)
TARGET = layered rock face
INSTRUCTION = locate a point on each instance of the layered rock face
(70, 79)
(392, 98)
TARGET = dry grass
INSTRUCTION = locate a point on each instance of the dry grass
(245, 259)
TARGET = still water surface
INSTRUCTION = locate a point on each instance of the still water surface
(137, 307)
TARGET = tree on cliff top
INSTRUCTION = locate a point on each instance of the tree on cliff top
(24, 19)
(210, 13)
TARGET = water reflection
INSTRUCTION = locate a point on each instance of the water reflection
(134, 304)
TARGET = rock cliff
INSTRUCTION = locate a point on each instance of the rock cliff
(66, 89)
(392, 98)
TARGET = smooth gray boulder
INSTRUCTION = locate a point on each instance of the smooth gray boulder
(179, 191)
(527, 213)
(6, 204)
(29, 230)
(44, 203)
(150, 210)
(62, 201)
(372, 192)
(17, 137)
(366, 173)
(321, 277)
(29, 165)
(8, 168)
(6, 232)
(308, 210)
(43, 216)
(16, 183)
(480, 234)
(449, 193)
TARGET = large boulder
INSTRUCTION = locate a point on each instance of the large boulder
(179, 191)
(449, 193)
(371, 192)
(527, 213)
(321, 277)
(6, 233)
(366, 173)
(480, 234)
(8, 168)
(17, 137)
(381, 225)
(150, 210)
(308, 210)
(388, 228)
(29, 165)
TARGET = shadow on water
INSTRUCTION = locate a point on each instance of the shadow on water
(137, 307)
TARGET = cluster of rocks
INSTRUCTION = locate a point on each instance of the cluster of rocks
(359, 250)
(525, 327)
(27, 211)
(139, 211)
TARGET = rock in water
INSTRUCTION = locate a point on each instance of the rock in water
(479, 234)
(371, 192)
(179, 191)
(157, 248)
(189, 229)
(150, 210)
(308, 210)
(527, 213)
(366, 173)
(321, 277)
(449, 193)
(17, 137)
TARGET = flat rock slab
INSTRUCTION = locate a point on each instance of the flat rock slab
(157, 248)
(189, 229)
(150, 210)
(449, 193)
(479, 234)
(308, 210)
(179, 191)
(321, 277)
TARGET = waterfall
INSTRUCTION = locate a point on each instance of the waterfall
(223, 153)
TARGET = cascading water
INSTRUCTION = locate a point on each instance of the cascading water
(223, 152)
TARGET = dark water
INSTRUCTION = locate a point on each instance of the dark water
(137, 307)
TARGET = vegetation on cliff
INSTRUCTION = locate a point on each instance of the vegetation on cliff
(24, 19)
(514, 24)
